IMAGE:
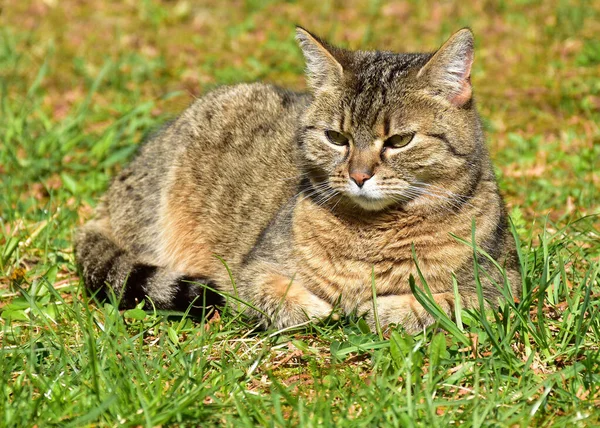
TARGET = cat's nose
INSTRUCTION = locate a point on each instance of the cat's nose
(360, 177)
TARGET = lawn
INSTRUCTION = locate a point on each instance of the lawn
(82, 83)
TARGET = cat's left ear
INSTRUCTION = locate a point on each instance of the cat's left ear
(449, 69)
(323, 69)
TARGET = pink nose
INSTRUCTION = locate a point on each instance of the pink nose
(360, 177)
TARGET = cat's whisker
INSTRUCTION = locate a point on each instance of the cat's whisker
(444, 201)
(313, 188)
(442, 190)
(336, 204)
(327, 198)
(456, 200)
(412, 193)
(446, 204)
(316, 189)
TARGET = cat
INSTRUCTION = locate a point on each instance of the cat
(290, 205)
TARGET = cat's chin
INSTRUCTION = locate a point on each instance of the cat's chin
(372, 204)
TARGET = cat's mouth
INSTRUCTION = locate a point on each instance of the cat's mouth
(369, 196)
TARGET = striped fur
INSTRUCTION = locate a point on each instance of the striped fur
(249, 174)
(104, 262)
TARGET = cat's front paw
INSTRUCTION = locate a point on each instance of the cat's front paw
(289, 303)
(404, 310)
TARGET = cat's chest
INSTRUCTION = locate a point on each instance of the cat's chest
(337, 258)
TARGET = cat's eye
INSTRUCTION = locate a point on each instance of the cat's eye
(336, 138)
(398, 141)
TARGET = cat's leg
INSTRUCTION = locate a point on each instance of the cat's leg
(405, 310)
(280, 300)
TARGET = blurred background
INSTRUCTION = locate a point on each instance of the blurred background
(82, 82)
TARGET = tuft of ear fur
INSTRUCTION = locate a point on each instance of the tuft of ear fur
(449, 69)
(322, 67)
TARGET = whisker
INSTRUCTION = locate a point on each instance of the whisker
(455, 199)
(319, 188)
(336, 204)
(413, 192)
(442, 190)
(328, 196)
(445, 201)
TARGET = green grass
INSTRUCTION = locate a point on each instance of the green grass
(81, 86)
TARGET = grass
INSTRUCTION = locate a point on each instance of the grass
(81, 85)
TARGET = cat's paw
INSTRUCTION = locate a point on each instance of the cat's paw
(317, 309)
(289, 303)
(301, 309)
(404, 310)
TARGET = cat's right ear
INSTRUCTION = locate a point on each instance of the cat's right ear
(449, 69)
(323, 70)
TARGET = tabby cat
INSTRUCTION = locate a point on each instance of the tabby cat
(308, 198)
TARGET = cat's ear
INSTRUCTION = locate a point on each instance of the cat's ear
(322, 67)
(448, 71)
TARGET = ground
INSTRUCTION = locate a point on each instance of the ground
(83, 82)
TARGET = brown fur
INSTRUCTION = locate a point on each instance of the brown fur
(248, 176)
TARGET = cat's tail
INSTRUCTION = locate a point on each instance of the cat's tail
(105, 265)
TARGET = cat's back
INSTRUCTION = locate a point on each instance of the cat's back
(234, 164)
(225, 164)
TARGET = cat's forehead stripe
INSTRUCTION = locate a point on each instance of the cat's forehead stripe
(347, 119)
(383, 125)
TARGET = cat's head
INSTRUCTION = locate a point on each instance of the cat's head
(388, 129)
